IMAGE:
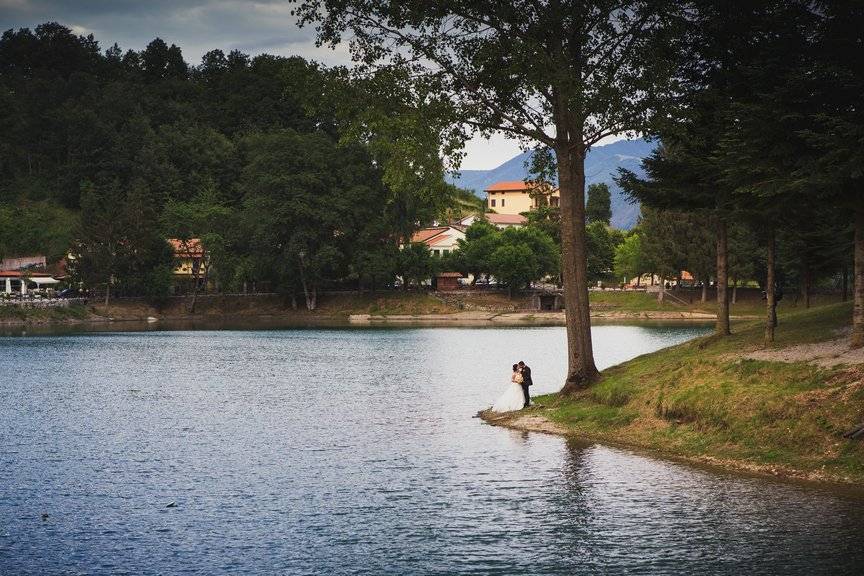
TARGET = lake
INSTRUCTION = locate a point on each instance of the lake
(355, 451)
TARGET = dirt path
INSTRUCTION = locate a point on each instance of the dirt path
(827, 354)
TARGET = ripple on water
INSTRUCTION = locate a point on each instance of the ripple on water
(354, 452)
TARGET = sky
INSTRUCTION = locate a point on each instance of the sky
(197, 26)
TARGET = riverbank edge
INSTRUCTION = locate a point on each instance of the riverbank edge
(456, 319)
(532, 420)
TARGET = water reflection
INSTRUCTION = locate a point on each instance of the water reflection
(354, 452)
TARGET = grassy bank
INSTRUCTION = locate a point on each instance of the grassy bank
(610, 305)
(708, 400)
(15, 315)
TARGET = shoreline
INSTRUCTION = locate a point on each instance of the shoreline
(787, 410)
(455, 319)
(522, 318)
(532, 421)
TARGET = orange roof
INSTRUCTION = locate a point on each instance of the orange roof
(440, 239)
(190, 247)
(686, 275)
(506, 218)
(425, 234)
(508, 185)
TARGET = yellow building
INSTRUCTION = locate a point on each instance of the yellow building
(515, 197)
(190, 263)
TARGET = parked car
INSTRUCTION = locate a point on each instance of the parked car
(68, 293)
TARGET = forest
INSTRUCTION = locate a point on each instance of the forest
(296, 177)
(289, 174)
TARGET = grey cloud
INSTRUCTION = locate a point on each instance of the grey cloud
(196, 26)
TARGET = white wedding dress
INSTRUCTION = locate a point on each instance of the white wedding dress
(512, 399)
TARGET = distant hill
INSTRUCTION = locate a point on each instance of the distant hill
(601, 165)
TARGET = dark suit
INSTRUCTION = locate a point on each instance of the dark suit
(526, 382)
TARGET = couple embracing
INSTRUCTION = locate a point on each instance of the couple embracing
(517, 395)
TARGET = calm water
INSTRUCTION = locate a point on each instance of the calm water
(355, 452)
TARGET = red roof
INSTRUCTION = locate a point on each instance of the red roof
(506, 218)
(509, 185)
(20, 273)
(191, 247)
(440, 239)
(426, 234)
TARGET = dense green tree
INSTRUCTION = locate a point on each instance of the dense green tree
(207, 219)
(523, 256)
(561, 75)
(601, 243)
(630, 260)
(36, 228)
(475, 251)
(599, 205)
(119, 246)
(415, 264)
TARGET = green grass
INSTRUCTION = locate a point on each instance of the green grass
(635, 301)
(701, 399)
(43, 314)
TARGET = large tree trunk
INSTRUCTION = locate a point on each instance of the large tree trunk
(770, 296)
(722, 327)
(704, 290)
(581, 369)
(858, 275)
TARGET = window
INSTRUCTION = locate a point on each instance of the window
(445, 252)
(553, 201)
(493, 202)
(502, 202)
(436, 253)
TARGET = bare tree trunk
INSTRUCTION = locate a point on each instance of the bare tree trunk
(309, 294)
(845, 293)
(194, 291)
(107, 291)
(705, 290)
(735, 291)
(858, 286)
(581, 369)
(770, 295)
(722, 327)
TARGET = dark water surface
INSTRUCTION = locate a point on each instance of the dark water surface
(355, 452)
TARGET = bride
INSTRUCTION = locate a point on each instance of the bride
(512, 398)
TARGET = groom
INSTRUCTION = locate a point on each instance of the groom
(526, 382)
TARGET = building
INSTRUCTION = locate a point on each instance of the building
(22, 274)
(189, 262)
(447, 281)
(440, 240)
(22, 281)
(500, 221)
(517, 196)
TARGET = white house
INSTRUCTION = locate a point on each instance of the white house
(440, 240)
